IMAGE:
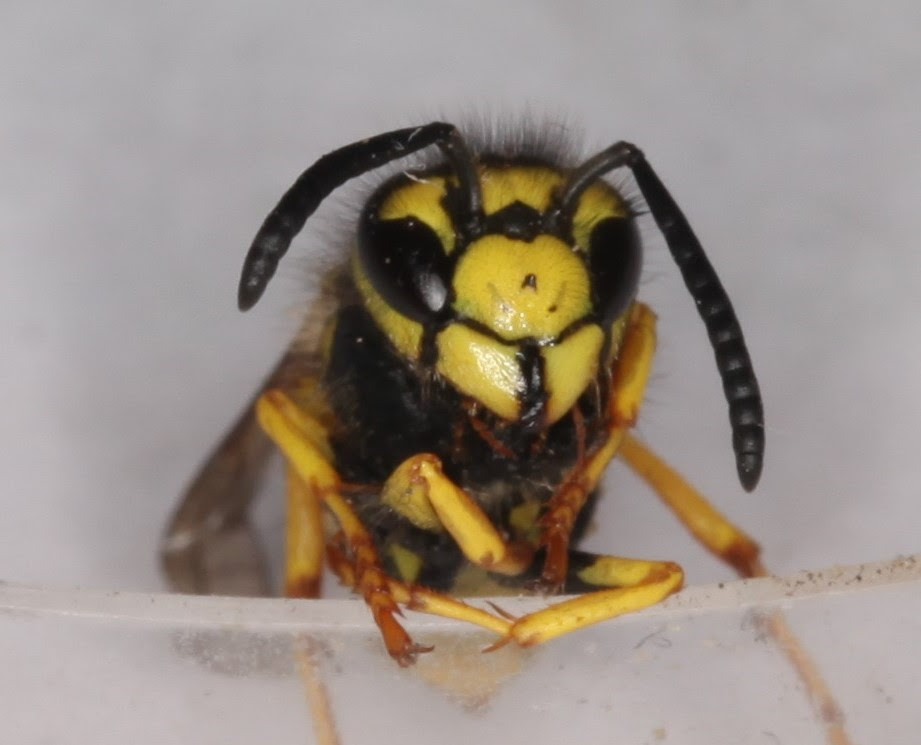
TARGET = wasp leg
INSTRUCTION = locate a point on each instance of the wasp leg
(302, 439)
(628, 386)
(419, 598)
(420, 492)
(727, 541)
(635, 584)
(304, 541)
(731, 544)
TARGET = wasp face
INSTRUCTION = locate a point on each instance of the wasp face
(514, 306)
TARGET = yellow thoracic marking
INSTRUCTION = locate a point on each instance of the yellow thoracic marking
(523, 520)
(481, 367)
(408, 563)
(569, 367)
(520, 289)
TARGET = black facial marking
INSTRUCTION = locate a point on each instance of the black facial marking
(517, 221)
(534, 397)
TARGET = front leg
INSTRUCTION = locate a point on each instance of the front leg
(631, 585)
(303, 441)
(420, 492)
(628, 386)
(353, 556)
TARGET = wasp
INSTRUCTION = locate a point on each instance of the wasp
(462, 383)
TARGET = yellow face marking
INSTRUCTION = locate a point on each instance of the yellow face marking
(532, 185)
(598, 202)
(404, 334)
(569, 367)
(421, 199)
(482, 368)
(520, 289)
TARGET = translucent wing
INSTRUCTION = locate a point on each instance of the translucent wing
(210, 545)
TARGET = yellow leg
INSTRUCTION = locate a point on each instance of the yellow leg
(639, 584)
(304, 543)
(421, 599)
(708, 525)
(628, 387)
(731, 544)
(634, 583)
(303, 441)
(420, 492)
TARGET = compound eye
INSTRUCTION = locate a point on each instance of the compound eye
(406, 263)
(615, 260)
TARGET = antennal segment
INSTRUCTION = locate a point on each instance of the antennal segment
(740, 386)
(329, 173)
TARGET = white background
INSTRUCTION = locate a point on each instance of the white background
(141, 146)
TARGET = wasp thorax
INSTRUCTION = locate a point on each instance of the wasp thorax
(522, 289)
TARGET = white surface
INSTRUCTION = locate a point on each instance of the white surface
(142, 144)
(696, 669)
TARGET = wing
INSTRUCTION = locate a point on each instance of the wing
(210, 545)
